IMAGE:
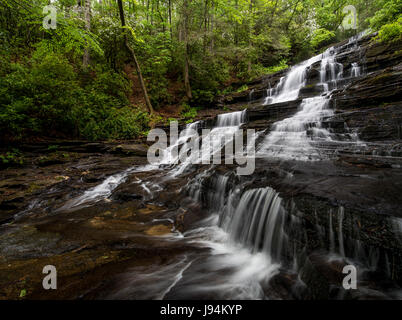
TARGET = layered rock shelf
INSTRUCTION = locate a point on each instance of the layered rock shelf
(325, 191)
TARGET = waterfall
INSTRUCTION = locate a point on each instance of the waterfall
(341, 213)
(250, 96)
(289, 86)
(244, 231)
(330, 69)
(295, 137)
(256, 221)
(97, 193)
(212, 143)
(331, 234)
(217, 199)
(289, 138)
(231, 119)
(355, 71)
(171, 154)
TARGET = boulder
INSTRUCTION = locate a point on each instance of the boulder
(131, 150)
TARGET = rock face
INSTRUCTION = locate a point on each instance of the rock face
(346, 209)
(116, 228)
(368, 105)
(131, 149)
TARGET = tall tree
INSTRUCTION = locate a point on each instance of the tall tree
(87, 18)
(137, 65)
(185, 32)
(170, 20)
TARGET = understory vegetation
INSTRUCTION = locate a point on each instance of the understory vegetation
(82, 79)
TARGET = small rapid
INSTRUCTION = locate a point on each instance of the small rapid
(241, 240)
(298, 136)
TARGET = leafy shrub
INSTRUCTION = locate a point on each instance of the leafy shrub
(207, 74)
(37, 96)
(321, 37)
(391, 32)
(123, 123)
(11, 158)
(45, 96)
(258, 70)
(189, 113)
(387, 13)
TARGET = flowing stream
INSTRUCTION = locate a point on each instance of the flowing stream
(246, 230)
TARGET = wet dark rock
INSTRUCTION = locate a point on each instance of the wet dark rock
(311, 90)
(131, 150)
(315, 279)
(273, 112)
(285, 286)
(342, 208)
(122, 196)
(313, 74)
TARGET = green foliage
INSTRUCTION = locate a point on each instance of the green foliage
(242, 88)
(258, 70)
(387, 13)
(52, 148)
(45, 96)
(188, 113)
(104, 112)
(169, 120)
(11, 158)
(45, 90)
(113, 123)
(329, 15)
(391, 32)
(155, 50)
(23, 293)
(387, 20)
(38, 95)
(208, 73)
(322, 37)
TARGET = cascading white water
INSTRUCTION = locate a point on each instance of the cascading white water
(341, 213)
(331, 71)
(331, 234)
(249, 233)
(217, 198)
(289, 86)
(100, 192)
(355, 71)
(232, 119)
(212, 143)
(104, 190)
(250, 96)
(227, 124)
(256, 221)
(289, 138)
(171, 154)
(294, 137)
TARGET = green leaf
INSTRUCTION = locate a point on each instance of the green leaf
(23, 293)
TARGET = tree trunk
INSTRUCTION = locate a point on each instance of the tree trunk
(137, 65)
(293, 13)
(205, 25)
(170, 20)
(271, 19)
(186, 58)
(87, 18)
(212, 26)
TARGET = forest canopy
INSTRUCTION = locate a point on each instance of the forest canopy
(107, 68)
